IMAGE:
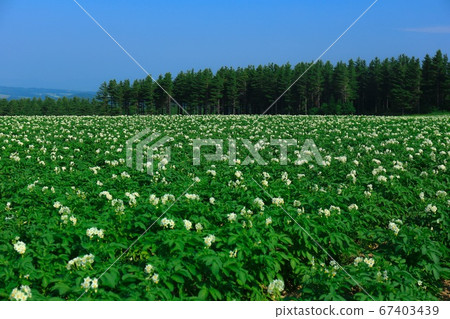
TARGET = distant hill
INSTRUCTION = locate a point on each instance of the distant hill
(14, 93)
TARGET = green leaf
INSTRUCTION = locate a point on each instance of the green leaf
(177, 278)
(61, 287)
(215, 269)
(110, 279)
(203, 294)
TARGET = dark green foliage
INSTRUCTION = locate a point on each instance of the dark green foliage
(389, 87)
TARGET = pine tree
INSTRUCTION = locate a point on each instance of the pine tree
(362, 78)
(438, 72)
(427, 85)
(216, 94)
(341, 83)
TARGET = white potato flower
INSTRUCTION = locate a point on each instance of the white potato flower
(155, 278)
(393, 226)
(94, 284)
(198, 227)
(231, 217)
(22, 294)
(86, 283)
(278, 201)
(209, 240)
(369, 261)
(275, 287)
(187, 224)
(192, 196)
(431, 208)
(94, 231)
(357, 261)
(20, 247)
(167, 223)
(149, 269)
(258, 202)
(297, 203)
(81, 262)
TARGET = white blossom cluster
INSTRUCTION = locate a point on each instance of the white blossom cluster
(89, 283)
(357, 261)
(166, 198)
(66, 218)
(431, 209)
(106, 194)
(132, 198)
(22, 294)
(441, 194)
(378, 170)
(342, 159)
(368, 261)
(32, 185)
(94, 231)
(352, 176)
(275, 287)
(149, 269)
(64, 211)
(393, 226)
(167, 223)
(15, 157)
(258, 202)
(246, 212)
(382, 276)
(368, 192)
(192, 196)
(209, 240)
(277, 201)
(211, 172)
(247, 224)
(20, 247)
(124, 175)
(327, 212)
(265, 182)
(119, 206)
(187, 224)
(285, 178)
(198, 227)
(233, 253)
(153, 200)
(95, 169)
(81, 262)
(231, 217)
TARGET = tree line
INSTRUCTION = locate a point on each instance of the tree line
(402, 85)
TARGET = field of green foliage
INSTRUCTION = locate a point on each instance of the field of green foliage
(370, 221)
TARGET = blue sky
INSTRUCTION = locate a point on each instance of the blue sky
(53, 44)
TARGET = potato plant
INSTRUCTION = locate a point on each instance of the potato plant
(368, 222)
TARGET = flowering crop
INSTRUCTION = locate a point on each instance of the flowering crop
(229, 228)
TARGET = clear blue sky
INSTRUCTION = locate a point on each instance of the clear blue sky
(53, 44)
